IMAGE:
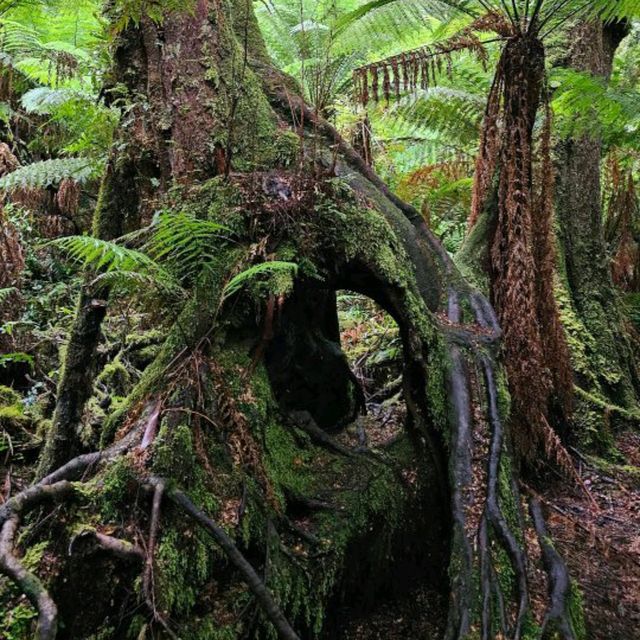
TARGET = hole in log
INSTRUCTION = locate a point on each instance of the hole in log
(336, 362)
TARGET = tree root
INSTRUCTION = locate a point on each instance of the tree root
(303, 421)
(253, 580)
(54, 486)
(121, 549)
(493, 520)
(557, 617)
(493, 512)
(29, 584)
(148, 586)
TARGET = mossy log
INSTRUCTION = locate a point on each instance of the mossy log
(298, 526)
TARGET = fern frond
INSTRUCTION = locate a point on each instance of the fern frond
(133, 282)
(45, 100)
(6, 292)
(275, 268)
(450, 113)
(50, 172)
(583, 102)
(184, 243)
(103, 255)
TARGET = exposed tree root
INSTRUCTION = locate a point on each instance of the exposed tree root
(122, 549)
(55, 486)
(557, 617)
(303, 421)
(493, 513)
(27, 582)
(253, 580)
(493, 520)
(148, 586)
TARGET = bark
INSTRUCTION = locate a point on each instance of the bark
(579, 213)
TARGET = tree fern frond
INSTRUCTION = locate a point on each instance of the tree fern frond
(583, 102)
(50, 172)
(115, 264)
(44, 100)
(441, 9)
(443, 110)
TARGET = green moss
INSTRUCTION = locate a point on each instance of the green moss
(576, 612)
(33, 555)
(117, 486)
(12, 416)
(8, 396)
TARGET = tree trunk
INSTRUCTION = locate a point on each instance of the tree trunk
(602, 355)
(224, 464)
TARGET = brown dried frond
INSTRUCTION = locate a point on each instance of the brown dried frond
(68, 196)
(8, 162)
(32, 198)
(487, 159)
(493, 21)
(11, 266)
(410, 69)
(11, 253)
(557, 453)
(518, 252)
(556, 350)
(54, 226)
(621, 227)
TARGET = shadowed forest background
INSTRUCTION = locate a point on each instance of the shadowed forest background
(320, 320)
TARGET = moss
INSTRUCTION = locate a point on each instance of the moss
(12, 417)
(8, 396)
(17, 623)
(473, 256)
(12, 414)
(576, 612)
(117, 484)
(33, 555)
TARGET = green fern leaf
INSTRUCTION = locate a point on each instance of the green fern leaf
(50, 172)
(274, 268)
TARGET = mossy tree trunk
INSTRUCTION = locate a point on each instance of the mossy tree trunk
(222, 484)
(603, 358)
